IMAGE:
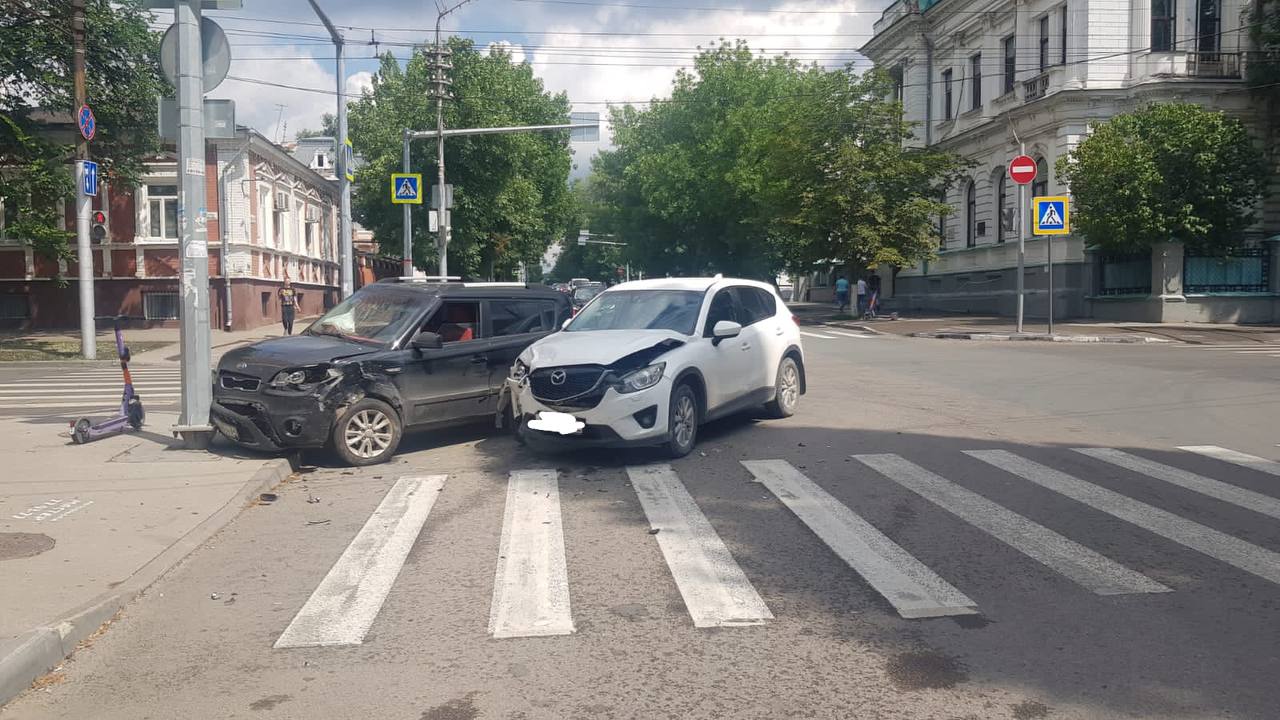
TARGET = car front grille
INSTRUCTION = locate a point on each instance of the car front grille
(236, 381)
(577, 381)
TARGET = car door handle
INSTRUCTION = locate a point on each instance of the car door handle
(479, 359)
(778, 331)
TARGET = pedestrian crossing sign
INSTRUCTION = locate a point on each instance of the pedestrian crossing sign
(406, 188)
(1052, 215)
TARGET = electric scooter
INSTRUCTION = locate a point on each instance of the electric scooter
(131, 413)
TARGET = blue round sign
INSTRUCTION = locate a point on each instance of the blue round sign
(88, 125)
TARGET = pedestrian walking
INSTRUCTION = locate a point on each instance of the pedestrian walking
(862, 297)
(288, 306)
(842, 294)
(873, 288)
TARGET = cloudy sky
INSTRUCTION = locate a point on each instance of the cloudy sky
(598, 51)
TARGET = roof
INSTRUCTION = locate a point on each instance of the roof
(699, 284)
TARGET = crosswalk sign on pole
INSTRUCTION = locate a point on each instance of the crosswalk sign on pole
(1052, 215)
(406, 188)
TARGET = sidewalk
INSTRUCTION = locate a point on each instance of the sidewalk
(977, 327)
(85, 528)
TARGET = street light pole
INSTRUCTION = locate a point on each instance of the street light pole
(197, 390)
(442, 239)
(344, 185)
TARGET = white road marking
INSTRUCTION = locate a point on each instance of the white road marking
(1253, 462)
(1087, 568)
(89, 404)
(859, 336)
(816, 335)
(1219, 545)
(51, 390)
(912, 588)
(715, 590)
(1225, 492)
(531, 590)
(345, 604)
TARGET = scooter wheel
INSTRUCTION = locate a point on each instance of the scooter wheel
(80, 433)
(136, 414)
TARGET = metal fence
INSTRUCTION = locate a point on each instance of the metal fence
(1246, 270)
(1126, 274)
(160, 305)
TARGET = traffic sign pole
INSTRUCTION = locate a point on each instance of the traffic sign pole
(1022, 170)
(407, 269)
(84, 253)
(1048, 251)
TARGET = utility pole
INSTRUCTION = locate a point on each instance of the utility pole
(193, 248)
(84, 252)
(340, 144)
(439, 58)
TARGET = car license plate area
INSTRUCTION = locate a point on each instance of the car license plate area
(557, 422)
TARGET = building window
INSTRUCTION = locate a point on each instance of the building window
(1063, 30)
(948, 109)
(1040, 186)
(1004, 207)
(318, 162)
(1010, 62)
(1209, 19)
(942, 222)
(897, 75)
(162, 203)
(975, 81)
(971, 215)
(1044, 43)
(14, 307)
(1163, 33)
(160, 305)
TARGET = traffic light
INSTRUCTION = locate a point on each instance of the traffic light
(98, 232)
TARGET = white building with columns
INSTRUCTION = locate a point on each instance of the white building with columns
(988, 78)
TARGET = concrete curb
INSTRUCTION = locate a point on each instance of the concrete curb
(1041, 337)
(37, 651)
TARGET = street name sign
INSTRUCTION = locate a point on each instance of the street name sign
(1052, 215)
(406, 188)
(1022, 170)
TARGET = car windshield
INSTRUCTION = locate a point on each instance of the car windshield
(376, 315)
(584, 294)
(641, 310)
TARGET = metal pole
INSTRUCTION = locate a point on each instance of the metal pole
(345, 255)
(1022, 249)
(407, 269)
(84, 252)
(193, 421)
(1048, 249)
(442, 238)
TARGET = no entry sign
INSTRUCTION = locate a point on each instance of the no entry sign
(1022, 170)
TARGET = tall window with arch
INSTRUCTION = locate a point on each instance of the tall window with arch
(1004, 206)
(1040, 186)
(971, 214)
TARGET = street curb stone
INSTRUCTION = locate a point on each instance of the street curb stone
(1041, 337)
(37, 651)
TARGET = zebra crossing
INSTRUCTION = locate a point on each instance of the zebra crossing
(88, 388)
(532, 586)
(1256, 349)
(823, 332)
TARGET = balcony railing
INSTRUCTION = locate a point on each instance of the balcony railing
(1036, 87)
(1213, 64)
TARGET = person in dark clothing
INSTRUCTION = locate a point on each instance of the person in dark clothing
(288, 306)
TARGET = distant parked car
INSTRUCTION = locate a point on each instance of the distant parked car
(583, 294)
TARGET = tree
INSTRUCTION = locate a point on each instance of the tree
(37, 95)
(328, 128)
(1173, 172)
(757, 164)
(511, 195)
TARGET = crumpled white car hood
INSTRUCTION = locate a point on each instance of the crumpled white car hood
(595, 347)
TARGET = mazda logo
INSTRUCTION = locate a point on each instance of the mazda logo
(558, 377)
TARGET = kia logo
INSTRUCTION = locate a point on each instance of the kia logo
(558, 377)
(242, 366)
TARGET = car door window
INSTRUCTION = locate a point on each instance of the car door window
(455, 321)
(723, 307)
(519, 317)
(757, 303)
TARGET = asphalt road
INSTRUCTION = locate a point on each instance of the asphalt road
(1110, 593)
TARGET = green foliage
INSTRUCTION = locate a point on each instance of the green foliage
(1263, 68)
(511, 197)
(1174, 172)
(757, 164)
(123, 81)
(328, 128)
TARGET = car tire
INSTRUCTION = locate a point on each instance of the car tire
(786, 390)
(683, 418)
(367, 433)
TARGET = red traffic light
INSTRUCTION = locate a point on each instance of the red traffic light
(99, 217)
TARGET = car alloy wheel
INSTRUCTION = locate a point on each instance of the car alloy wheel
(789, 390)
(682, 430)
(368, 433)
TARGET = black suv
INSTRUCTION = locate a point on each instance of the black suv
(397, 355)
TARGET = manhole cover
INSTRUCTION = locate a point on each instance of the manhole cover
(23, 545)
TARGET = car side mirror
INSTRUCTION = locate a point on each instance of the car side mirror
(724, 330)
(426, 341)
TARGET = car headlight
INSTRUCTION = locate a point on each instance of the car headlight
(641, 379)
(304, 378)
(519, 371)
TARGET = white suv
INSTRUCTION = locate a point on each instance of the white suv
(647, 362)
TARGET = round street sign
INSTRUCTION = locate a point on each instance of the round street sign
(88, 124)
(1022, 170)
(215, 54)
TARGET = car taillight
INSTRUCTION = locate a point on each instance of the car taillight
(795, 319)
